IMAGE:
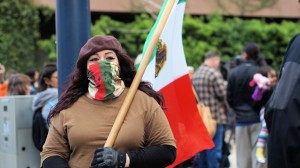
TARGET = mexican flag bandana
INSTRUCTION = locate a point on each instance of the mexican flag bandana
(105, 82)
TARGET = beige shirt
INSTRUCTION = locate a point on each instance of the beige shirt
(75, 133)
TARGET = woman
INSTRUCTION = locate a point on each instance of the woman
(87, 109)
(18, 84)
(47, 91)
(34, 76)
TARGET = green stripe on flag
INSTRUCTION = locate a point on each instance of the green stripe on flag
(181, 1)
(150, 35)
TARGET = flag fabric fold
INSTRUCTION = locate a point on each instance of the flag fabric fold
(167, 71)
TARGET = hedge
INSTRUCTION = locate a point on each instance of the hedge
(201, 34)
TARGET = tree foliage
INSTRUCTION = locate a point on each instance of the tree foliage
(132, 35)
(48, 47)
(228, 36)
(19, 33)
(201, 34)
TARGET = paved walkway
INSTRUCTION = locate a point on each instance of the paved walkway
(232, 156)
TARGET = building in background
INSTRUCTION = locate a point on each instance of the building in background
(270, 9)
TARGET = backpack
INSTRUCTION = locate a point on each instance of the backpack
(39, 129)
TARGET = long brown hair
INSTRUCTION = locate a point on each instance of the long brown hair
(78, 84)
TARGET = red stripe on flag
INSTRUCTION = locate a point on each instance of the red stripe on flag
(102, 90)
(185, 121)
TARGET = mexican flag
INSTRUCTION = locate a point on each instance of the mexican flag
(168, 73)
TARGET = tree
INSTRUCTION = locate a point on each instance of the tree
(19, 33)
(201, 34)
(131, 35)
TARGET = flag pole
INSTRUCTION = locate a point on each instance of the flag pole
(138, 77)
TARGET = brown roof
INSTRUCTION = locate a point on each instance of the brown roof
(282, 8)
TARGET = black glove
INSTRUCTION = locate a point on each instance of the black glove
(108, 158)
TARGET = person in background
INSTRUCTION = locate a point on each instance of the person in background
(3, 84)
(264, 82)
(4, 80)
(48, 107)
(2, 73)
(282, 112)
(236, 61)
(84, 115)
(34, 76)
(47, 91)
(239, 97)
(211, 89)
(18, 84)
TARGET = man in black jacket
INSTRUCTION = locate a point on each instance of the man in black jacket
(283, 112)
(239, 98)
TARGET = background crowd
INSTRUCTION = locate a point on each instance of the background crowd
(235, 92)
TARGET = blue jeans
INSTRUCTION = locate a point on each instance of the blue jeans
(211, 158)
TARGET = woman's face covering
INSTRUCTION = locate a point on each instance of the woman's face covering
(104, 55)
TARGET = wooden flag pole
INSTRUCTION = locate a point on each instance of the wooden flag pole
(138, 77)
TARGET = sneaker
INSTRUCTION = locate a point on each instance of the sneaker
(260, 155)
